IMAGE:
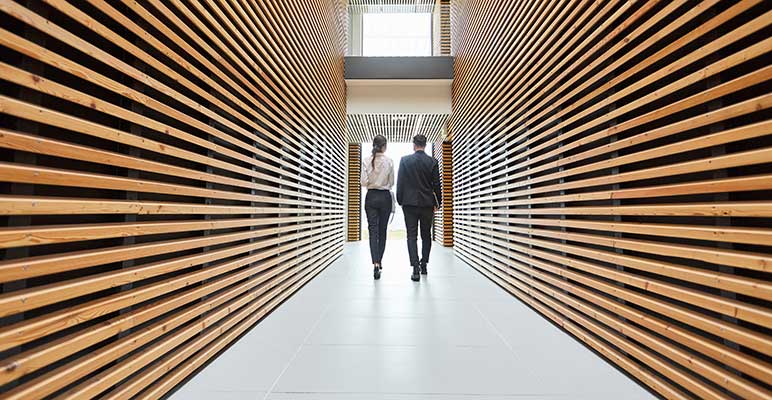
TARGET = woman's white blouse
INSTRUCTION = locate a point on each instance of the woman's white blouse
(379, 177)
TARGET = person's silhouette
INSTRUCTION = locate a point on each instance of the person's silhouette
(378, 178)
(420, 194)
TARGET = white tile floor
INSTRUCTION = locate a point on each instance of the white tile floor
(454, 335)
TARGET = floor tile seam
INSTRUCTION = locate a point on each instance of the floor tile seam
(299, 349)
(496, 330)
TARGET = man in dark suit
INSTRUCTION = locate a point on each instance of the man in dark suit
(419, 193)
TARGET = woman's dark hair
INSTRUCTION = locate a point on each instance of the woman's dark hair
(379, 144)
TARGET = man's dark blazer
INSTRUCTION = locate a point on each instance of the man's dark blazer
(418, 181)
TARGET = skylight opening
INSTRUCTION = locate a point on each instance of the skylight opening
(397, 35)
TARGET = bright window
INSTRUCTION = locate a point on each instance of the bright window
(390, 35)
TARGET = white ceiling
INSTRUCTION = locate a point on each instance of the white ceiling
(391, 96)
(391, 6)
(398, 128)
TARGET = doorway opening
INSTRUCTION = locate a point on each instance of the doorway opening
(395, 151)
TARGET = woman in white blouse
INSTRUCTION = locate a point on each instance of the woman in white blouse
(378, 178)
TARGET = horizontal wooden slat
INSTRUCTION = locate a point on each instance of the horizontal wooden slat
(49, 234)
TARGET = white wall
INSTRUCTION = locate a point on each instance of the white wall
(354, 42)
(390, 96)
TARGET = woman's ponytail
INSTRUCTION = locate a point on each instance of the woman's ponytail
(379, 146)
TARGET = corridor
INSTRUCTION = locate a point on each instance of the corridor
(454, 335)
(181, 199)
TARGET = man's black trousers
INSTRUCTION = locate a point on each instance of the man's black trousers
(415, 218)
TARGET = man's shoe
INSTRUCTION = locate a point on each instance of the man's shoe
(423, 269)
(416, 274)
(377, 272)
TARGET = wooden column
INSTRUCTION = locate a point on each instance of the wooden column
(445, 34)
(443, 218)
(354, 214)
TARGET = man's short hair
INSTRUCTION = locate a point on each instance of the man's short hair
(419, 140)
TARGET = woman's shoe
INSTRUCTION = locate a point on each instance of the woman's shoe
(377, 272)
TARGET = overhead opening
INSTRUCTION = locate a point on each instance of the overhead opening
(395, 35)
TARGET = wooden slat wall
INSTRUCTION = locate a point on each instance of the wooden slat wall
(354, 214)
(612, 167)
(171, 172)
(443, 218)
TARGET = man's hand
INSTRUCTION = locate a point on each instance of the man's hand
(435, 208)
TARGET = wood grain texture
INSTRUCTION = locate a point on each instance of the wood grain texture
(170, 172)
(443, 7)
(612, 169)
(354, 213)
(443, 218)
